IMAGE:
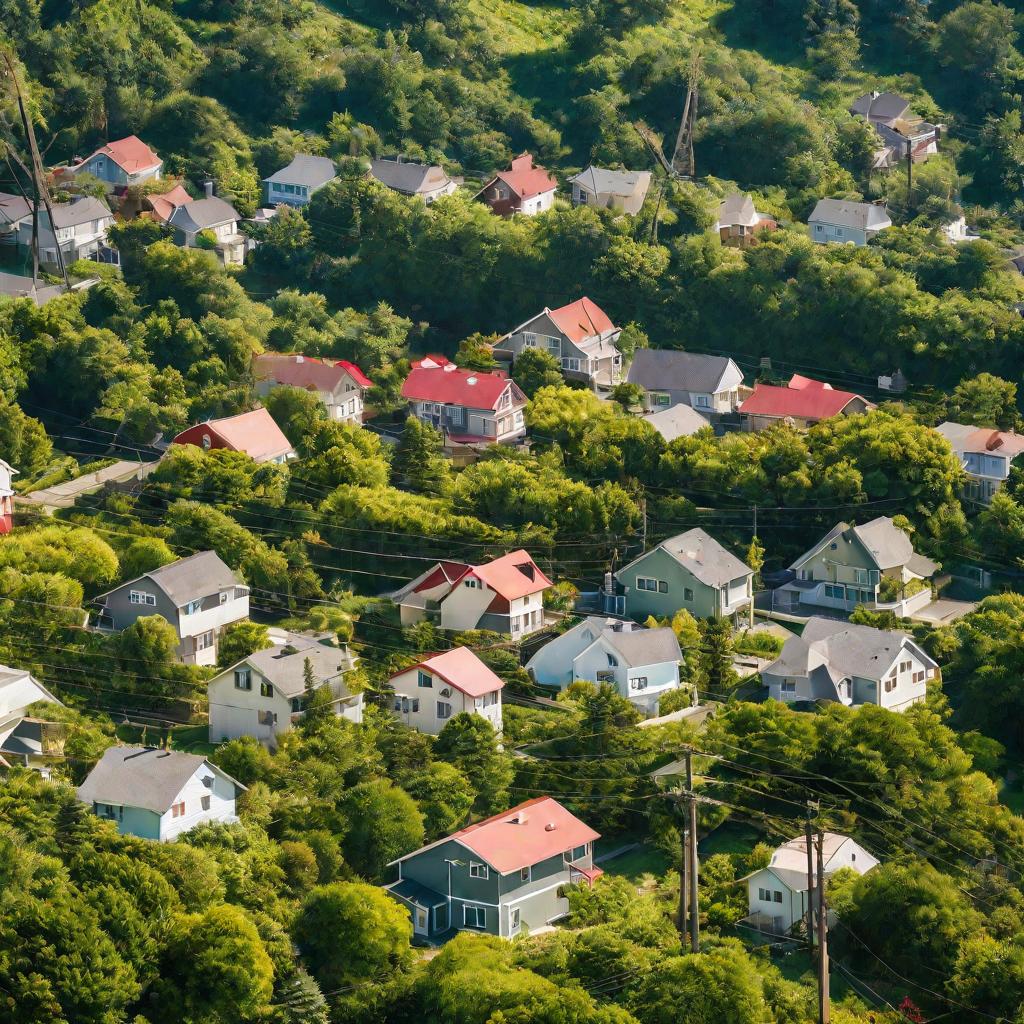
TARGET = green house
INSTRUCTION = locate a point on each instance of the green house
(692, 571)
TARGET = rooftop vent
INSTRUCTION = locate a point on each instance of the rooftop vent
(471, 381)
(519, 818)
(449, 367)
(550, 827)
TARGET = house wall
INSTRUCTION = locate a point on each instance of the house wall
(76, 242)
(791, 908)
(221, 793)
(552, 665)
(658, 565)
(407, 689)
(288, 193)
(661, 677)
(102, 167)
(631, 204)
(821, 231)
(134, 821)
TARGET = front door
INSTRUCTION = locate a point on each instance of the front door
(440, 918)
(420, 918)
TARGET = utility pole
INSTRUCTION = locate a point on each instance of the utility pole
(691, 800)
(824, 1003)
(810, 876)
(689, 897)
(683, 162)
(910, 171)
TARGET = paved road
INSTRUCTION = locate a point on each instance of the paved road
(64, 495)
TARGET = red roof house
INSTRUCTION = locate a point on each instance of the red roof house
(166, 203)
(340, 386)
(802, 401)
(124, 162)
(254, 433)
(524, 188)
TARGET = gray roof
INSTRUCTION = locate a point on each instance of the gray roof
(737, 208)
(312, 171)
(849, 214)
(79, 211)
(888, 545)
(677, 421)
(885, 106)
(144, 777)
(413, 892)
(188, 579)
(603, 181)
(704, 558)
(201, 214)
(407, 176)
(644, 646)
(661, 369)
(26, 738)
(284, 665)
(13, 208)
(17, 287)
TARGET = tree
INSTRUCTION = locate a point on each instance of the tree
(23, 440)
(384, 823)
(144, 555)
(240, 639)
(535, 369)
(444, 795)
(476, 352)
(755, 558)
(989, 976)
(986, 400)
(418, 458)
(350, 932)
(470, 743)
(716, 650)
(296, 411)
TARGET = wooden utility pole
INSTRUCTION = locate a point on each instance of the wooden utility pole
(691, 800)
(683, 162)
(684, 896)
(824, 1003)
(689, 897)
(810, 877)
(910, 170)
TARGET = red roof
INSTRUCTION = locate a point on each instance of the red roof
(513, 575)
(462, 669)
(525, 835)
(526, 180)
(429, 361)
(450, 385)
(254, 433)
(165, 203)
(132, 155)
(803, 399)
(355, 373)
(581, 319)
(298, 371)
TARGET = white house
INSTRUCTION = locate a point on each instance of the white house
(843, 220)
(713, 385)
(121, 163)
(643, 664)
(25, 740)
(610, 189)
(833, 660)
(159, 794)
(210, 216)
(777, 894)
(263, 694)
(295, 184)
(341, 386)
(81, 230)
(986, 456)
(429, 694)
(505, 595)
(6, 497)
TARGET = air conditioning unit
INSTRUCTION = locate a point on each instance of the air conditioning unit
(446, 692)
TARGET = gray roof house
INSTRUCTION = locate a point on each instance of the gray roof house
(262, 695)
(26, 740)
(837, 661)
(643, 664)
(295, 184)
(710, 384)
(81, 230)
(198, 595)
(843, 220)
(677, 421)
(879, 106)
(901, 131)
(739, 221)
(426, 181)
(692, 571)
(616, 190)
(159, 794)
(873, 564)
(214, 215)
(985, 454)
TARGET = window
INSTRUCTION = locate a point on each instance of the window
(141, 597)
(554, 345)
(206, 442)
(266, 689)
(424, 680)
(193, 606)
(576, 853)
(513, 919)
(839, 232)
(178, 810)
(653, 585)
(776, 896)
(490, 699)
(205, 802)
(225, 596)
(613, 662)
(444, 710)
(838, 593)
(204, 640)
(474, 917)
(818, 229)
(243, 679)
(570, 363)
(905, 666)
(890, 684)
(638, 683)
(477, 870)
(919, 677)
(764, 895)
(703, 401)
(860, 576)
(529, 339)
(687, 594)
(788, 686)
(526, 874)
(473, 584)
(662, 400)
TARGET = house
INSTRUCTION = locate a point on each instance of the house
(874, 564)
(209, 223)
(429, 694)
(500, 875)
(81, 230)
(159, 794)
(254, 433)
(738, 221)
(424, 181)
(777, 895)
(524, 188)
(843, 220)
(26, 740)
(713, 385)
(692, 571)
(580, 336)
(340, 386)
(466, 405)
(985, 454)
(901, 131)
(198, 596)
(643, 664)
(295, 184)
(956, 232)
(15, 286)
(677, 421)
(6, 497)
(611, 190)
(505, 595)
(801, 403)
(162, 205)
(13, 209)
(127, 161)
(263, 694)
(833, 660)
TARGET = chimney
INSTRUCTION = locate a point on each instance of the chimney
(550, 827)
(300, 359)
(520, 818)
(208, 189)
(995, 441)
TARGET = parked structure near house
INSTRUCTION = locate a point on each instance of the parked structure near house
(524, 189)
(26, 740)
(198, 596)
(713, 385)
(199, 219)
(777, 895)
(580, 335)
(986, 456)
(6, 497)
(801, 403)
(677, 421)
(505, 595)
(429, 694)
(874, 565)
(254, 433)
(425, 181)
(500, 875)
(739, 221)
(467, 405)
(692, 571)
(264, 694)
(608, 189)
(843, 220)
(901, 131)
(642, 664)
(81, 230)
(295, 184)
(125, 162)
(850, 664)
(341, 386)
(159, 794)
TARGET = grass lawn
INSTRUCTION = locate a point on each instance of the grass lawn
(646, 859)
(1012, 796)
(730, 837)
(190, 738)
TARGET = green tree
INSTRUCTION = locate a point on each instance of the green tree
(296, 411)
(470, 743)
(444, 795)
(475, 352)
(986, 400)
(384, 823)
(144, 555)
(239, 640)
(716, 651)
(23, 440)
(535, 369)
(418, 458)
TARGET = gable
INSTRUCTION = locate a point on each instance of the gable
(661, 565)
